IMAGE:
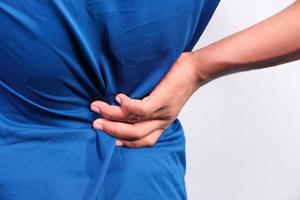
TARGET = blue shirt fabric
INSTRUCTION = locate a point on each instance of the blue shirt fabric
(58, 56)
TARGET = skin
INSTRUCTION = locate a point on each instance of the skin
(140, 122)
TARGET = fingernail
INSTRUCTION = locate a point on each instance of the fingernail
(119, 143)
(95, 108)
(118, 99)
(98, 125)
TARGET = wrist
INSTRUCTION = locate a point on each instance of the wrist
(201, 64)
(212, 62)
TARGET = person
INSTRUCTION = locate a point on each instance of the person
(59, 56)
(139, 123)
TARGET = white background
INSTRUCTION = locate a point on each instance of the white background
(243, 130)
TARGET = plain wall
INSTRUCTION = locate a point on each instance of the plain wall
(243, 130)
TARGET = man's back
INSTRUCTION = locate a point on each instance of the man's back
(56, 58)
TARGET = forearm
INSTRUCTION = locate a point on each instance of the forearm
(271, 42)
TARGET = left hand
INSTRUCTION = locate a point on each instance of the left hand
(140, 123)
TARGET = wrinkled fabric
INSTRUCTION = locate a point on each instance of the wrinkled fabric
(58, 56)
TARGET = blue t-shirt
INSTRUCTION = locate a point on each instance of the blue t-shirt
(58, 56)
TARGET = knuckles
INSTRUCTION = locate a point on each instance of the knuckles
(105, 112)
(142, 110)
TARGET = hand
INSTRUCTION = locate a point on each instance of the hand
(140, 123)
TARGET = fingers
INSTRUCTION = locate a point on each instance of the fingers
(116, 113)
(144, 107)
(129, 131)
(154, 106)
(110, 111)
(148, 141)
(131, 110)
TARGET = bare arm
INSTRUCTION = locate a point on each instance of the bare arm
(139, 123)
(271, 42)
